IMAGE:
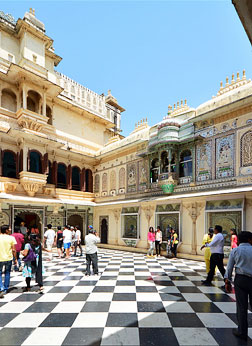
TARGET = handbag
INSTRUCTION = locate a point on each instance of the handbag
(31, 256)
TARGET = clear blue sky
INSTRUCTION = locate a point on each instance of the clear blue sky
(149, 53)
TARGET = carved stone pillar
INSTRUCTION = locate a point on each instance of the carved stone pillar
(148, 212)
(44, 104)
(0, 96)
(117, 213)
(24, 94)
(194, 210)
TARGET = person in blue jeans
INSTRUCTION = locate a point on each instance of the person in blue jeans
(7, 253)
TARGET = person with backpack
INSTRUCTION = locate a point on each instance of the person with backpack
(33, 266)
(174, 243)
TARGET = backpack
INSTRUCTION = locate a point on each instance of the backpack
(31, 256)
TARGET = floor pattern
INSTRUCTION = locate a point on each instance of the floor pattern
(134, 301)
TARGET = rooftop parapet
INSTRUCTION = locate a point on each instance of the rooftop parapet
(233, 83)
(179, 108)
(142, 124)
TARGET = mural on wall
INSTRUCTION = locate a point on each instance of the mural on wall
(204, 161)
(122, 178)
(97, 183)
(104, 182)
(131, 177)
(225, 157)
(143, 178)
(246, 149)
(112, 180)
(4, 219)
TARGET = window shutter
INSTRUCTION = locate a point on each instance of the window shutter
(45, 164)
(54, 173)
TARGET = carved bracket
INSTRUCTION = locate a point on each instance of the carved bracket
(116, 213)
(194, 209)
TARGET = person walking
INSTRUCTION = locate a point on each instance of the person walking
(59, 241)
(67, 240)
(174, 243)
(49, 239)
(234, 238)
(33, 265)
(7, 253)
(91, 251)
(240, 258)
(158, 241)
(77, 242)
(20, 241)
(217, 255)
(206, 240)
(151, 240)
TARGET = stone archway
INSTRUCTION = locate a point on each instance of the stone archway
(31, 218)
(104, 229)
(76, 220)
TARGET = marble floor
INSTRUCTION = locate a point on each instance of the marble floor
(134, 301)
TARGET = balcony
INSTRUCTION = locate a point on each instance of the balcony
(167, 182)
(32, 182)
(30, 120)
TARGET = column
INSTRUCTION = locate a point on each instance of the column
(1, 96)
(169, 160)
(24, 97)
(25, 158)
(44, 104)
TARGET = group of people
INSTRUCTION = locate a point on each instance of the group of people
(240, 258)
(16, 243)
(155, 241)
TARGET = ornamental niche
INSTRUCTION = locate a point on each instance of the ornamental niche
(225, 157)
(143, 179)
(97, 183)
(246, 149)
(122, 178)
(112, 180)
(131, 177)
(104, 182)
(204, 161)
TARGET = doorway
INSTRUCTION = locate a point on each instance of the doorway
(104, 231)
(77, 220)
(30, 219)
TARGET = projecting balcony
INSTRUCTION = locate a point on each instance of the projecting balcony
(32, 182)
(167, 182)
(30, 120)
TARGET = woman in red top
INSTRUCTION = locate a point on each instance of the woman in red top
(151, 240)
(233, 238)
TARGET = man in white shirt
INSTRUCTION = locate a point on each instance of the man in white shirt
(91, 251)
(77, 241)
(67, 240)
(49, 238)
(217, 255)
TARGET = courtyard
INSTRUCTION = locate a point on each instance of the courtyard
(134, 301)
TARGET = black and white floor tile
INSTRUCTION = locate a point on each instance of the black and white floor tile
(134, 301)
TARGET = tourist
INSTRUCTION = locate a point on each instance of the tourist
(20, 241)
(77, 242)
(7, 252)
(206, 240)
(35, 230)
(151, 240)
(174, 243)
(49, 239)
(67, 240)
(158, 241)
(33, 262)
(234, 238)
(73, 238)
(91, 251)
(217, 255)
(59, 241)
(23, 229)
(240, 258)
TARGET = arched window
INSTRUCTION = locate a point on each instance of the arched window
(246, 149)
(89, 181)
(173, 163)
(49, 114)
(49, 177)
(33, 101)
(104, 182)
(35, 162)
(97, 183)
(9, 100)
(9, 164)
(76, 178)
(154, 171)
(164, 162)
(122, 178)
(185, 164)
(62, 176)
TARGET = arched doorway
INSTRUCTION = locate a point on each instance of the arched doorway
(104, 231)
(31, 220)
(76, 220)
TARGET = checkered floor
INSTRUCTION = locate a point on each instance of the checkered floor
(135, 301)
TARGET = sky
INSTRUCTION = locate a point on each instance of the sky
(149, 53)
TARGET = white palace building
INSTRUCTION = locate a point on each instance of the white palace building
(63, 159)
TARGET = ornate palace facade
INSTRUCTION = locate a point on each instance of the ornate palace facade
(63, 159)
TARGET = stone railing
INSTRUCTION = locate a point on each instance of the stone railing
(81, 95)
